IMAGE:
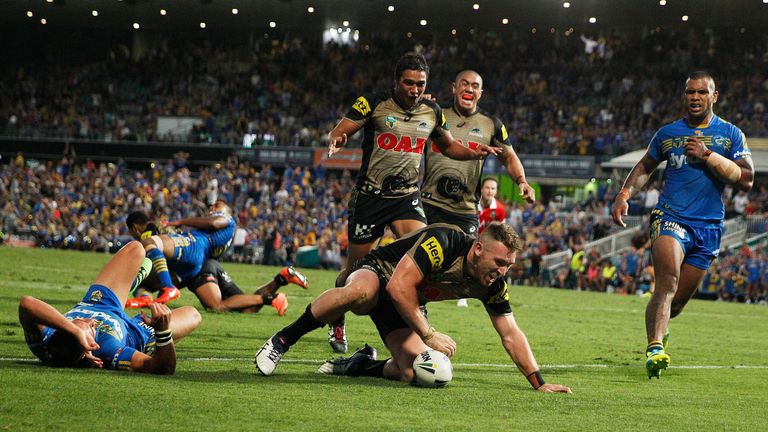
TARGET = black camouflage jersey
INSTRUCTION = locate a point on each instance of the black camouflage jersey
(393, 142)
(454, 185)
(440, 252)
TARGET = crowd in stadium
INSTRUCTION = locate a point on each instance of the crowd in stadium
(615, 91)
(82, 205)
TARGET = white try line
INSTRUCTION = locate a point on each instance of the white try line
(455, 365)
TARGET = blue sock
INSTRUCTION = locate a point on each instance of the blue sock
(160, 266)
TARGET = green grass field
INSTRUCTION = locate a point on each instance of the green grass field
(591, 342)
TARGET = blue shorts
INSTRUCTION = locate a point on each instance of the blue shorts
(701, 244)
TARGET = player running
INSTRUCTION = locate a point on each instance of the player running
(703, 153)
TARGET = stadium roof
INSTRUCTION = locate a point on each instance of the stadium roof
(374, 15)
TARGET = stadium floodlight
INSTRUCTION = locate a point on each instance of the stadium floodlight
(235, 11)
(345, 23)
(163, 12)
(311, 9)
(391, 8)
(202, 25)
(95, 12)
(30, 14)
(592, 20)
(663, 2)
(476, 6)
(272, 24)
(136, 26)
(685, 18)
(43, 21)
(566, 5)
(505, 21)
(423, 22)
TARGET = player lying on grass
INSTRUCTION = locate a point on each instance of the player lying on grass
(97, 332)
(391, 283)
(212, 285)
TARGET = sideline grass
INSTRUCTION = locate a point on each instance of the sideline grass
(591, 342)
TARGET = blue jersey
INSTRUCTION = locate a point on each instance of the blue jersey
(118, 335)
(691, 192)
(754, 268)
(220, 239)
(193, 248)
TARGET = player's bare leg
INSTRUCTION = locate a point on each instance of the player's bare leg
(667, 260)
(405, 345)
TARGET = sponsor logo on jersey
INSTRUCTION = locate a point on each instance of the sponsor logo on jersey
(96, 296)
(676, 161)
(698, 133)
(674, 228)
(719, 140)
(403, 144)
(391, 121)
(501, 296)
(476, 132)
(361, 105)
(423, 127)
(363, 231)
(504, 134)
(434, 252)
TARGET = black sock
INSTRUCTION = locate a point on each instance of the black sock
(267, 298)
(280, 280)
(370, 368)
(339, 322)
(303, 325)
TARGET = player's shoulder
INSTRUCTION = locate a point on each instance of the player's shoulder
(724, 124)
(487, 115)
(365, 103)
(674, 128)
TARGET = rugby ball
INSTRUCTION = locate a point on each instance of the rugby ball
(432, 369)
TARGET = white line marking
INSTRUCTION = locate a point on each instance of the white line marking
(460, 365)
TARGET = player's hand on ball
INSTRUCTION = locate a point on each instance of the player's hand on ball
(554, 388)
(443, 343)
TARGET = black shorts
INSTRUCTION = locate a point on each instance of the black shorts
(212, 271)
(370, 214)
(467, 223)
(384, 314)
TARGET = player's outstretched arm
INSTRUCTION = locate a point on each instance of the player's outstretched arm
(455, 150)
(34, 314)
(339, 135)
(163, 361)
(201, 222)
(515, 169)
(635, 181)
(516, 344)
(402, 290)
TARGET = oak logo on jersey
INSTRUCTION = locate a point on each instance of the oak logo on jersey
(361, 105)
(404, 144)
(434, 251)
(391, 121)
(501, 296)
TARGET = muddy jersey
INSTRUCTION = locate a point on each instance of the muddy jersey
(393, 142)
(454, 185)
(439, 252)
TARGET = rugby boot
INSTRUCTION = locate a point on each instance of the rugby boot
(169, 294)
(291, 275)
(270, 354)
(337, 338)
(349, 365)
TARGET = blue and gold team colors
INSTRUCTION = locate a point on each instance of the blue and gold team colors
(690, 207)
(193, 248)
(118, 335)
